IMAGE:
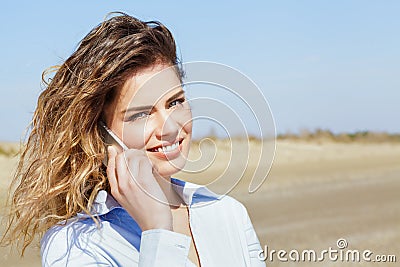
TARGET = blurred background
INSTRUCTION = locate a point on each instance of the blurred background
(329, 71)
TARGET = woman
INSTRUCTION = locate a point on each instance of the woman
(124, 75)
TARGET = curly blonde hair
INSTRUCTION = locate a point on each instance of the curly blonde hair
(60, 168)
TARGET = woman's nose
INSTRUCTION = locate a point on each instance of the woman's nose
(167, 128)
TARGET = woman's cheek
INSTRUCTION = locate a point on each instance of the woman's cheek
(135, 136)
(187, 128)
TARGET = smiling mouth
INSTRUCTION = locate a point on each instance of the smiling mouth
(166, 149)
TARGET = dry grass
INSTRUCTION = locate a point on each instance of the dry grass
(9, 149)
(327, 135)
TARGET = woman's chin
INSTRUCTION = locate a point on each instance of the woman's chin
(169, 168)
(169, 164)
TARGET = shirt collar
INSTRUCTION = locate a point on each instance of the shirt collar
(190, 193)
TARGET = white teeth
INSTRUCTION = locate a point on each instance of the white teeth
(170, 148)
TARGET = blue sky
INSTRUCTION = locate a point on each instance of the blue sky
(321, 64)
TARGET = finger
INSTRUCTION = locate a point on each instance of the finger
(150, 183)
(127, 170)
(132, 160)
(146, 172)
(111, 171)
(155, 171)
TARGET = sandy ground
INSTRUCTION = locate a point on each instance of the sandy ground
(315, 194)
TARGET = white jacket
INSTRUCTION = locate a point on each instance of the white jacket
(221, 228)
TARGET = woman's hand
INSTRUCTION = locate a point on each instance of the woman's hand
(137, 190)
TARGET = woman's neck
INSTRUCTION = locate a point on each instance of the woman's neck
(174, 200)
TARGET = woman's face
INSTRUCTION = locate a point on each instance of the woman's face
(150, 113)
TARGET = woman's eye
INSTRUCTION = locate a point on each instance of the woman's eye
(137, 116)
(177, 102)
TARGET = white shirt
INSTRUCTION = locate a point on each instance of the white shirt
(221, 228)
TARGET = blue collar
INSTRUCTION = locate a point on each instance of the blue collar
(190, 193)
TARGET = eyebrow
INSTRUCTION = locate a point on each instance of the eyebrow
(141, 108)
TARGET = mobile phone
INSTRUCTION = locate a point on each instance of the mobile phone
(110, 138)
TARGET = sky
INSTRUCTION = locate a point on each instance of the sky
(320, 64)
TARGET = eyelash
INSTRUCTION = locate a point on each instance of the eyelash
(180, 100)
(138, 116)
(142, 115)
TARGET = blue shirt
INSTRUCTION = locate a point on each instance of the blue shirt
(221, 228)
